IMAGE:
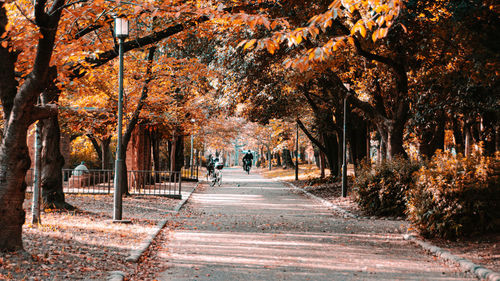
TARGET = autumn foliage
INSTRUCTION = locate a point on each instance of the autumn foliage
(456, 196)
(383, 189)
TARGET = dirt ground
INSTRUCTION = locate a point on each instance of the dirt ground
(85, 244)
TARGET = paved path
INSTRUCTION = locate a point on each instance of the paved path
(252, 228)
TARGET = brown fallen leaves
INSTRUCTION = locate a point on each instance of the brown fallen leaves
(84, 244)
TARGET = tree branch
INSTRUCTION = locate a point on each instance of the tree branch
(144, 96)
(96, 145)
(310, 136)
(43, 112)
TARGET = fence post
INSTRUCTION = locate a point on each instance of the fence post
(180, 183)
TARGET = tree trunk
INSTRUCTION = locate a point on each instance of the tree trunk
(468, 141)
(303, 154)
(176, 152)
(332, 153)
(395, 140)
(179, 154)
(357, 138)
(322, 164)
(287, 159)
(52, 164)
(382, 150)
(278, 159)
(497, 138)
(14, 163)
(433, 139)
(155, 143)
(52, 159)
(20, 112)
(107, 158)
(316, 156)
(489, 132)
(459, 136)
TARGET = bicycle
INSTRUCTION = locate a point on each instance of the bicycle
(216, 177)
(247, 164)
(210, 171)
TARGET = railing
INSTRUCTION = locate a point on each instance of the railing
(165, 183)
(190, 173)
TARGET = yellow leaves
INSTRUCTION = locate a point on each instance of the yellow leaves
(359, 27)
(249, 44)
(351, 41)
(362, 31)
(271, 47)
(382, 8)
(379, 34)
(335, 4)
(383, 32)
(4, 44)
(375, 35)
(298, 39)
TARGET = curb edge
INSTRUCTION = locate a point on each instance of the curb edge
(467, 266)
(481, 272)
(137, 253)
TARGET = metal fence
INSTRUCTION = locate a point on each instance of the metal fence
(165, 183)
(190, 173)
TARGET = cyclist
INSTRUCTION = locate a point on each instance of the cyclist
(216, 176)
(210, 165)
(247, 161)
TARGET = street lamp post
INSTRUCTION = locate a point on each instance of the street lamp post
(297, 152)
(121, 32)
(191, 154)
(344, 148)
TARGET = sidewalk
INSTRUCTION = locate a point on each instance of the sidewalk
(252, 228)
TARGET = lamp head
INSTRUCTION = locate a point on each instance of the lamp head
(121, 27)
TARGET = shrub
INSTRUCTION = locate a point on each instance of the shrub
(456, 196)
(382, 190)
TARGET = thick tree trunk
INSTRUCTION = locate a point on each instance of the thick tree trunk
(357, 138)
(332, 153)
(14, 163)
(316, 157)
(490, 121)
(322, 165)
(433, 139)
(303, 154)
(278, 159)
(155, 143)
(287, 159)
(107, 158)
(468, 141)
(459, 136)
(52, 159)
(19, 113)
(382, 149)
(14, 157)
(497, 138)
(177, 153)
(52, 164)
